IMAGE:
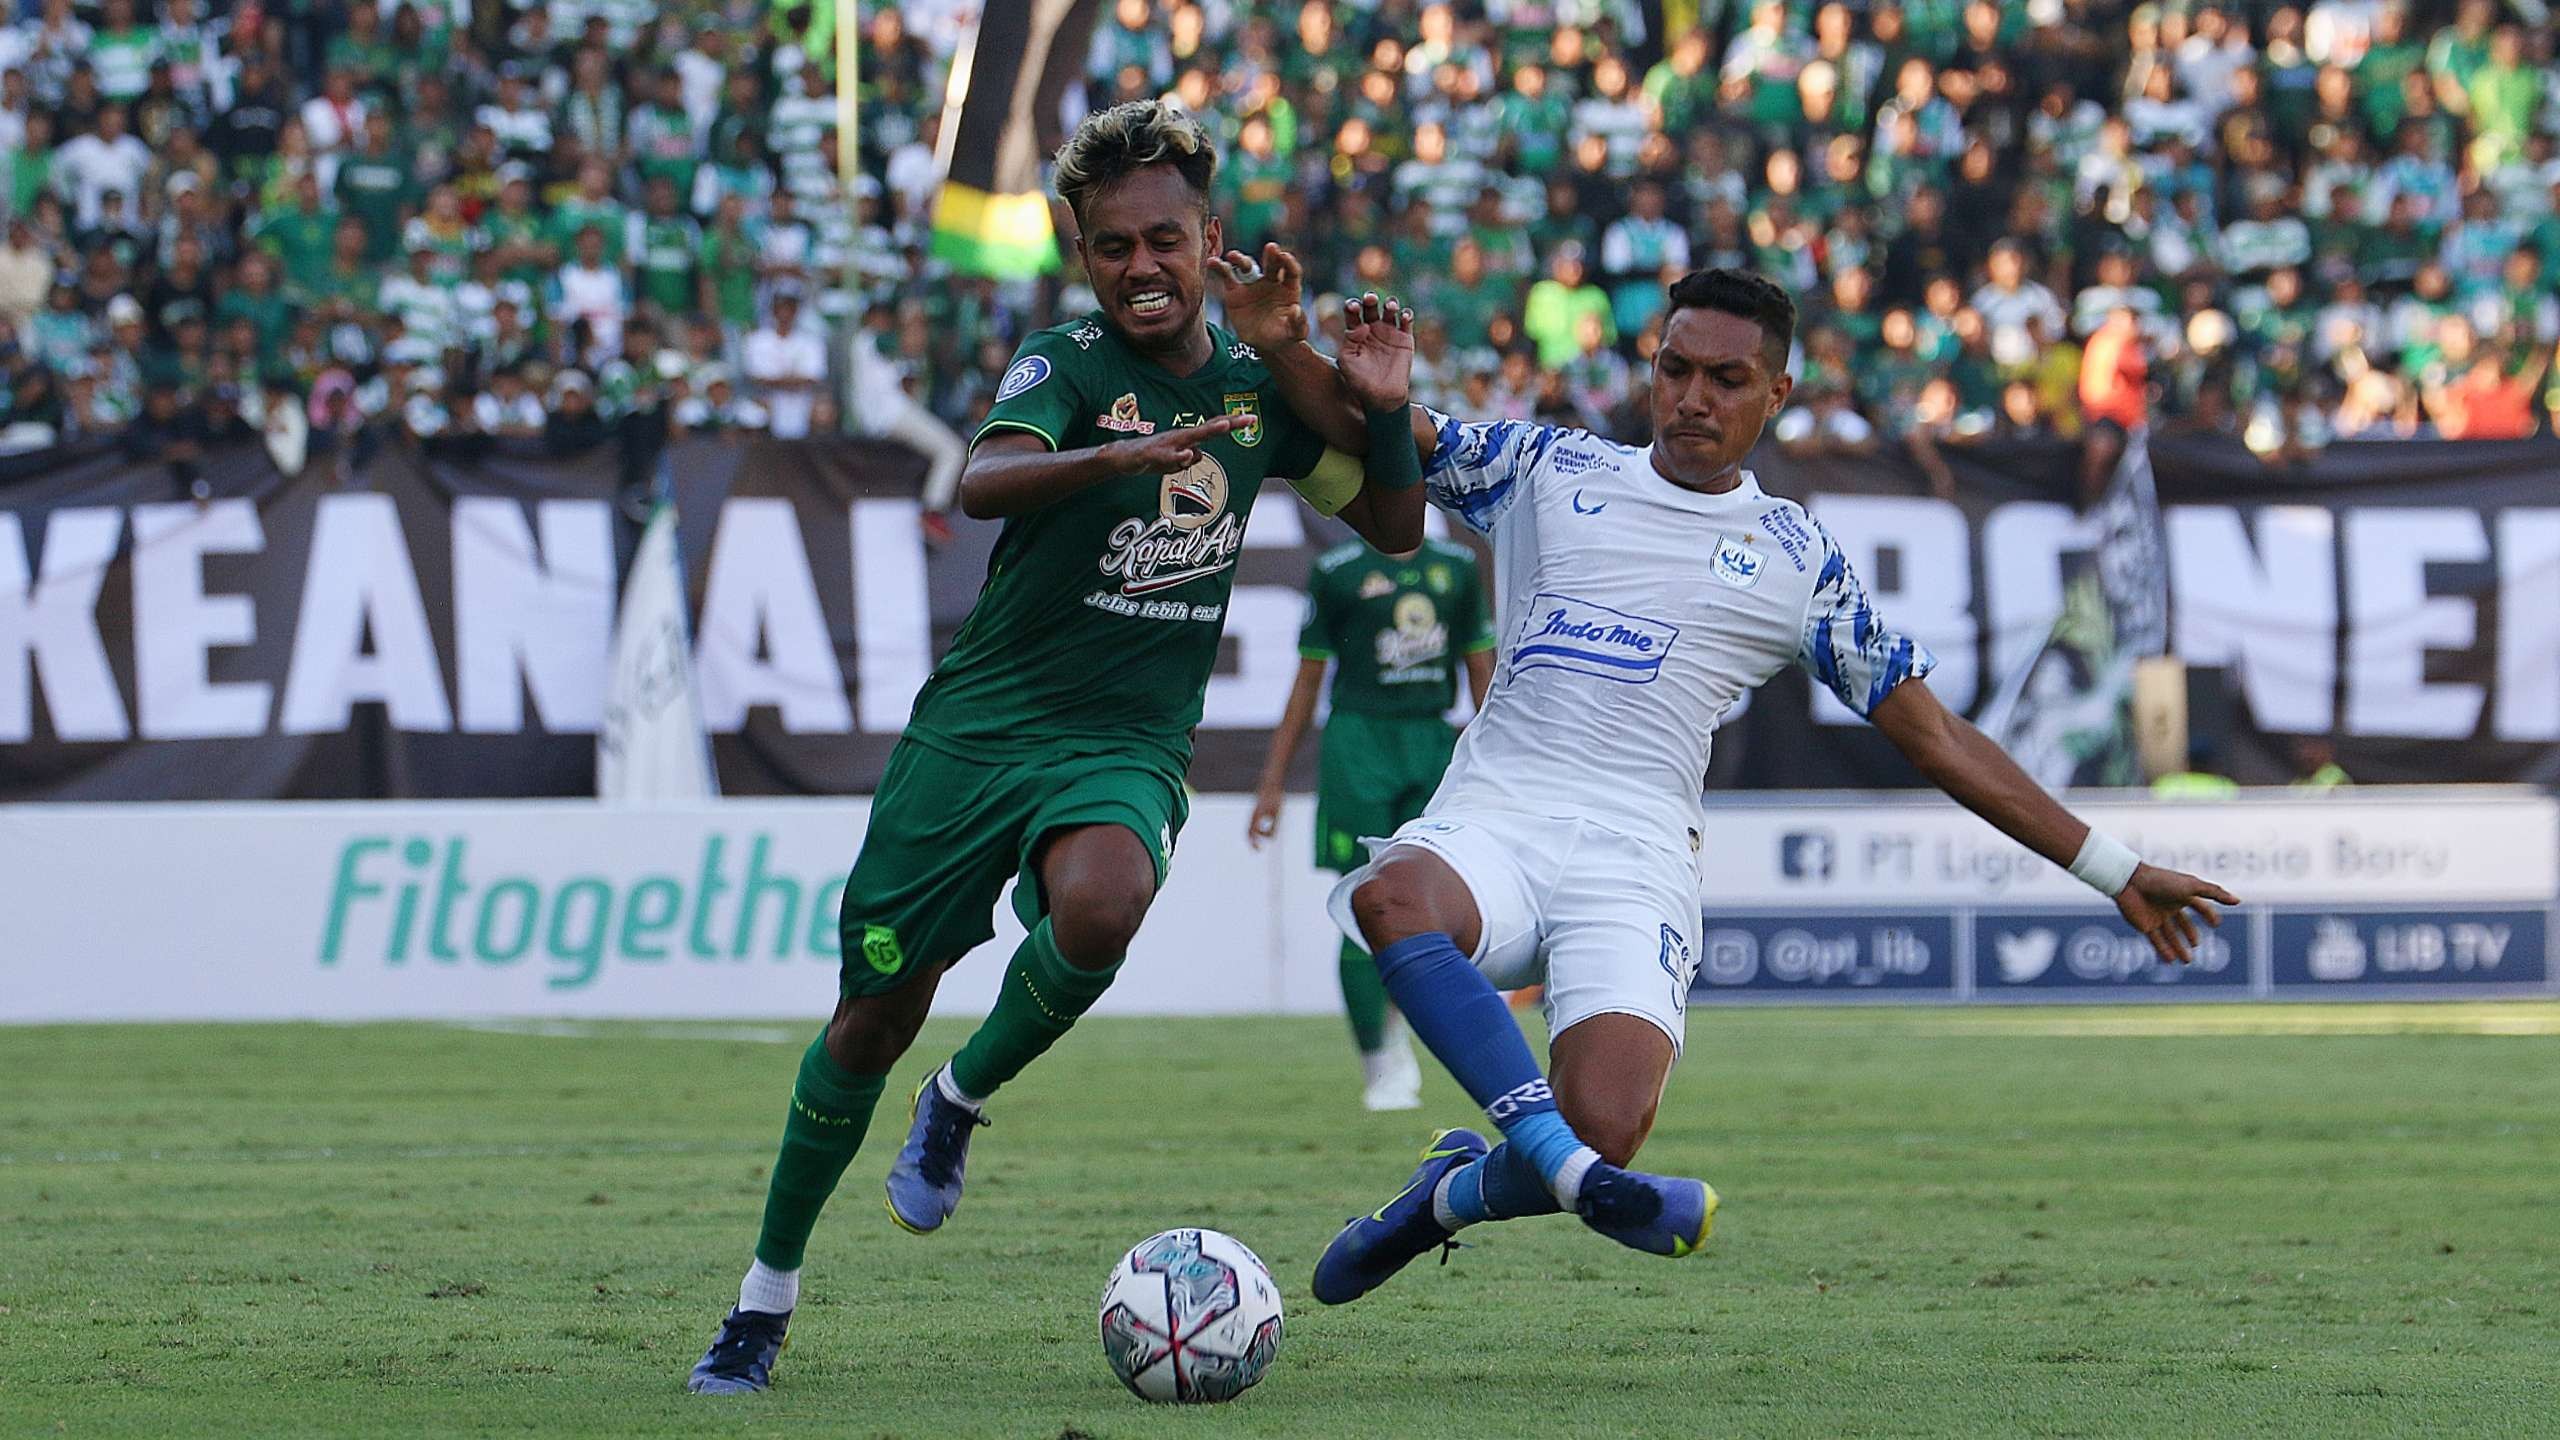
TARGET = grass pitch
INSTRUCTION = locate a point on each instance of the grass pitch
(1977, 1224)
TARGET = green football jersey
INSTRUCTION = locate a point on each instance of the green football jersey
(1099, 621)
(1395, 628)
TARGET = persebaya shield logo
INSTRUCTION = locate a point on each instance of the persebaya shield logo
(1250, 407)
(881, 950)
(1194, 495)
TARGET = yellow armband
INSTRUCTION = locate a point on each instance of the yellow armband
(1332, 484)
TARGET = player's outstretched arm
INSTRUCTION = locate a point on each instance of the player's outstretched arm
(1265, 305)
(1377, 370)
(1294, 723)
(1012, 473)
(1962, 761)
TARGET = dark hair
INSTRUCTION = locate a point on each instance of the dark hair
(1754, 297)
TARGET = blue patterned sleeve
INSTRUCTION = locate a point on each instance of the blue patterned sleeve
(1479, 469)
(1847, 647)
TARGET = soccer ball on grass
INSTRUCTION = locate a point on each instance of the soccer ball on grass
(1190, 1316)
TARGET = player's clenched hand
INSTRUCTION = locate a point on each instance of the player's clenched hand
(1262, 299)
(1266, 816)
(2164, 904)
(1168, 450)
(1377, 351)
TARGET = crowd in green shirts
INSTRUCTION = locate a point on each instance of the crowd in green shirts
(2294, 223)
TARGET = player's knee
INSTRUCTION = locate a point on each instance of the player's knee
(870, 1032)
(1094, 919)
(1389, 907)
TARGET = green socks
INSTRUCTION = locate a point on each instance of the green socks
(1364, 997)
(1042, 998)
(830, 1108)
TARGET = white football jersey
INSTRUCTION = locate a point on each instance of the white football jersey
(1634, 615)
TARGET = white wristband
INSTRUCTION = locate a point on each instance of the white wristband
(2104, 864)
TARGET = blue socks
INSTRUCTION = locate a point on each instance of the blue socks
(1463, 1020)
(1500, 1186)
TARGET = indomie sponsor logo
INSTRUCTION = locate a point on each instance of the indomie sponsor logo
(1568, 634)
(395, 901)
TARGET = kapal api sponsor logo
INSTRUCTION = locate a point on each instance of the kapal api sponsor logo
(1191, 536)
(1410, 649)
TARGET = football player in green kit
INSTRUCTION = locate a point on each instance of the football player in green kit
(1123, 453)
(1395, 631)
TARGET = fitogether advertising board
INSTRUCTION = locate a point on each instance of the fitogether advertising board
(350, 911)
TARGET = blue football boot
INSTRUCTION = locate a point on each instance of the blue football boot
(741, 1357)
(1658, 1214)
(1373, 1247)
(924, 1181)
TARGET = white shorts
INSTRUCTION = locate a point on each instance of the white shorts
(1606, 922)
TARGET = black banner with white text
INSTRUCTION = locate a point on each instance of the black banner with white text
(433, 626)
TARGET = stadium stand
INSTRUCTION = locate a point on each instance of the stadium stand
(2292, 223)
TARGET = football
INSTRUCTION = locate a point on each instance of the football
(1190, 1317)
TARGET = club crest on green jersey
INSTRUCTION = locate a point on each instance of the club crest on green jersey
(1248, 405)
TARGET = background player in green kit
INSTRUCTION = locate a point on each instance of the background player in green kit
(1394, 630)
(1123, 453)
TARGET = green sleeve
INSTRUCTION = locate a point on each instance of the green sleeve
(1315, 637)
(1040, 392)
(1477, 630)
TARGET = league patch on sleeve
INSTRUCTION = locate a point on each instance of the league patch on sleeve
(1028, 371)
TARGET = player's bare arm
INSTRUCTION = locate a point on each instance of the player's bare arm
(1962, 761)
(1015, 473)
(1266, 308)
(1377, 372)
(1294, 724)
(1265, 303)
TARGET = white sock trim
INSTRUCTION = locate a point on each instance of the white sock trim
(1440, 1210)
(1567, 1184)
(774, 1292)
(952, 1092)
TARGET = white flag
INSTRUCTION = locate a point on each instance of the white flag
(652, 749)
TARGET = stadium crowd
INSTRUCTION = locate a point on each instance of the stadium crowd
(2292, 222)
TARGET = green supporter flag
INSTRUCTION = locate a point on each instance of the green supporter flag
(992, 218)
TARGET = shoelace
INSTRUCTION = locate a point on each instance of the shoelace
(943, 1135)
(739, 1345)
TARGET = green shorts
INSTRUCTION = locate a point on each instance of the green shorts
(947, 832)
(1377, 772)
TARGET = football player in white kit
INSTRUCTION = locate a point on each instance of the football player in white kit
(1643, 593)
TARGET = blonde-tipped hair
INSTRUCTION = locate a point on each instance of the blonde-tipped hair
(1111, 145)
